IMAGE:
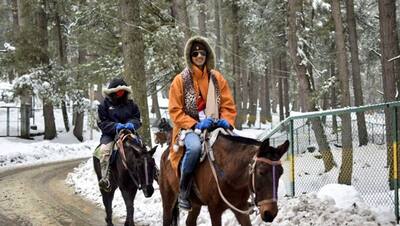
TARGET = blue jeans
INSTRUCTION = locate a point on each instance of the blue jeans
(192, 153)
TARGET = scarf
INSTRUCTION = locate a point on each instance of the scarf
(190, 97)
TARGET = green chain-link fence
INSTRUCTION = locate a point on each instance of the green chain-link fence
(316, 152)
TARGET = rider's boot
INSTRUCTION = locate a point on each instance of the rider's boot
(185, 185)
(104, 182)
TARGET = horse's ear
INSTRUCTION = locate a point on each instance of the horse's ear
(265, 144)
(283, 148)
(153, 150)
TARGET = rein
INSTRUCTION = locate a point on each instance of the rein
(252, 167)
(121, 151)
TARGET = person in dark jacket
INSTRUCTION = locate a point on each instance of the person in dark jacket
(115, 112)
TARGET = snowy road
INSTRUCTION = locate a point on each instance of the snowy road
(39, 196)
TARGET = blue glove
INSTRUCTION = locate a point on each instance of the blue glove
(129, 126)
(204, 124)
(119, 127)
(223, 123)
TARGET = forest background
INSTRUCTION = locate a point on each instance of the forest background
(278, 56)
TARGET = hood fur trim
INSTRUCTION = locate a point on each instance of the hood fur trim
(107, 92)
(210, 60)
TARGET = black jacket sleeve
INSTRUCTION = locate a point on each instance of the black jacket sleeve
(106, 125)
(135, 118)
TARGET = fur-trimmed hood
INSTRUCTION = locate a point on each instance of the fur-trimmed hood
(115, 85)
(210, 60)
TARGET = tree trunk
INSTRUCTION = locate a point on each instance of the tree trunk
(265, 102)
(305, 85)
(285, 84)
(63, 61)
(355, 65)
(202, 17)
(78, 112)
(390, 69)
(49, 125)
(155, 107)
(179, 12)
(333, 96)
(267, 95)
(24, 57)
(78, 126)
(65, 115)
(134, 66)
(244, 74)
(50, 131)
(280, 88)
(240, 118)
(217, 25)
(346, 168)
(253, 96)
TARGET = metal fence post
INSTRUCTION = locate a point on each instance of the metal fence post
(8, 121)
(395, 162)
(309, 133)
(297, 141)
(291, 158)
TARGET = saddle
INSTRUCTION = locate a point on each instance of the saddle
(207, 141)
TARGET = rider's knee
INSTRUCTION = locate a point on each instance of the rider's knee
(192, 143)
(105, 150)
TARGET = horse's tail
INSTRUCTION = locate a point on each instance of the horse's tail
(175, 215)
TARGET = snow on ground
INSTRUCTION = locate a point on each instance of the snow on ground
(17, 152)
(334, 205)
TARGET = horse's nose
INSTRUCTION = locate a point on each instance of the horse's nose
(148, 191)
(267, 216)
(269, 211)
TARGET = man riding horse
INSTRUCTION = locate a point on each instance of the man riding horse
(116, 112)
(199, 97)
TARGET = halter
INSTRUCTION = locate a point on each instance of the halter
(252, 167)
(121, 150)
(252, 170)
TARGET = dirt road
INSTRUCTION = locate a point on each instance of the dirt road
(39, 196)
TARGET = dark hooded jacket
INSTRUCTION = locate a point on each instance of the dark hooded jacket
(113, 110)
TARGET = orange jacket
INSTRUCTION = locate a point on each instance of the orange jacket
(227, 109)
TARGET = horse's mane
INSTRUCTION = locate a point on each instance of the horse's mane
(241, 139)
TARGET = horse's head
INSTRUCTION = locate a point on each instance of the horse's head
(140, 162)
(266, 169)
(164, 125)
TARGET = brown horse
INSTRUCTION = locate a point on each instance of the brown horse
(133, 168)
(164, 134)
(242, 166)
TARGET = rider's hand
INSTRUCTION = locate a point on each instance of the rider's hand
(223, 123)
(204, 124)
(129, 126)
(119, 127)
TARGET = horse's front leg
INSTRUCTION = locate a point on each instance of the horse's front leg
(107, 201)
(191, 219)
(243, 219)
(129, 196)
(169, 202)
(215, 214)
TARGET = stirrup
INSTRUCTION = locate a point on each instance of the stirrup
(184, 204)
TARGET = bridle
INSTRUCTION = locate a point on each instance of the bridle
(252, 167)
(133, 175)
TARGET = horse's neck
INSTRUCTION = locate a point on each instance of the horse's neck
(234, 158)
